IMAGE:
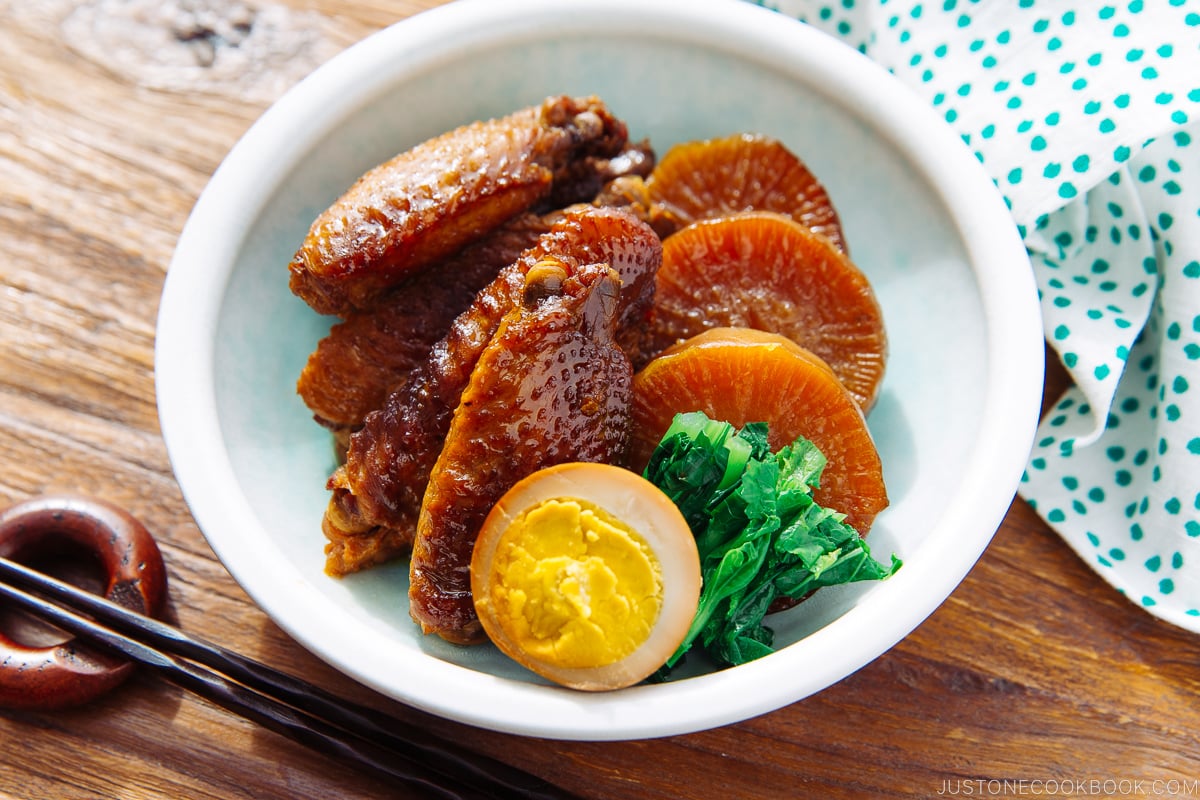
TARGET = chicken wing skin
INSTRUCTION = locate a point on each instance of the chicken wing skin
(585, 179)
(551, 386)
(370, 353)
(431, 201)
(377, 493)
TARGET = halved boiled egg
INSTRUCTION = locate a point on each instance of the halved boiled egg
(587, 574)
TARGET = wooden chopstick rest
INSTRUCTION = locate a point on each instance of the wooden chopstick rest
(71, 673)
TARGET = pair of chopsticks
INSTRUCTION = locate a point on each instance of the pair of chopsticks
(289, 706)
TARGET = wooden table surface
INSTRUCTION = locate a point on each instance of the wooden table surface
(113, 115)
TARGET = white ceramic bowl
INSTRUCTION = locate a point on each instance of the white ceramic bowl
(954, 422)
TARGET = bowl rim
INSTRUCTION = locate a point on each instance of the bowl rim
(217, 228)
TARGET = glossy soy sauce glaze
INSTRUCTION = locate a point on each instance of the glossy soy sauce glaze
(377, 493)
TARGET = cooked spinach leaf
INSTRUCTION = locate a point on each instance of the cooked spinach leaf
(759, 532)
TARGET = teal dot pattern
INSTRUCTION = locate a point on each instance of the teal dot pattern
(1086, 115)
(1097, 272)
(1119, 478)
(848, 20)
(1051, 96)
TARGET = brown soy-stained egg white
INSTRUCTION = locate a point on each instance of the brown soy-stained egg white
(586, 574)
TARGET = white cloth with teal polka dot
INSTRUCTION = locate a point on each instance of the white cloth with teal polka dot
(1086, 113)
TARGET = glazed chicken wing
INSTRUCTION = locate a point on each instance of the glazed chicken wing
(370, 353)
(377, 493)
(551, 386)
(429, 202)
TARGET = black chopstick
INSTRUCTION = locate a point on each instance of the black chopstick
(280, 702)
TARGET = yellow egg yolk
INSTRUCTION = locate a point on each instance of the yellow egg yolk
(574, 586)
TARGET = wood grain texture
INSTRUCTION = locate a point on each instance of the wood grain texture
(1034, 669)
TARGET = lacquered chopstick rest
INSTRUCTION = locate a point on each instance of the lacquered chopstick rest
(71, 672)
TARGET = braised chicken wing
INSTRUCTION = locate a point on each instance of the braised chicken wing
(369, 354)
(377, 493)
(551, 386)
(434, 199)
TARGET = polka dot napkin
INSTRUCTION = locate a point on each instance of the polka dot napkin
(1086, 114)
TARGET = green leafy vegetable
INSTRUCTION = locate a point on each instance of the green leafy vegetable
(759, 532)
